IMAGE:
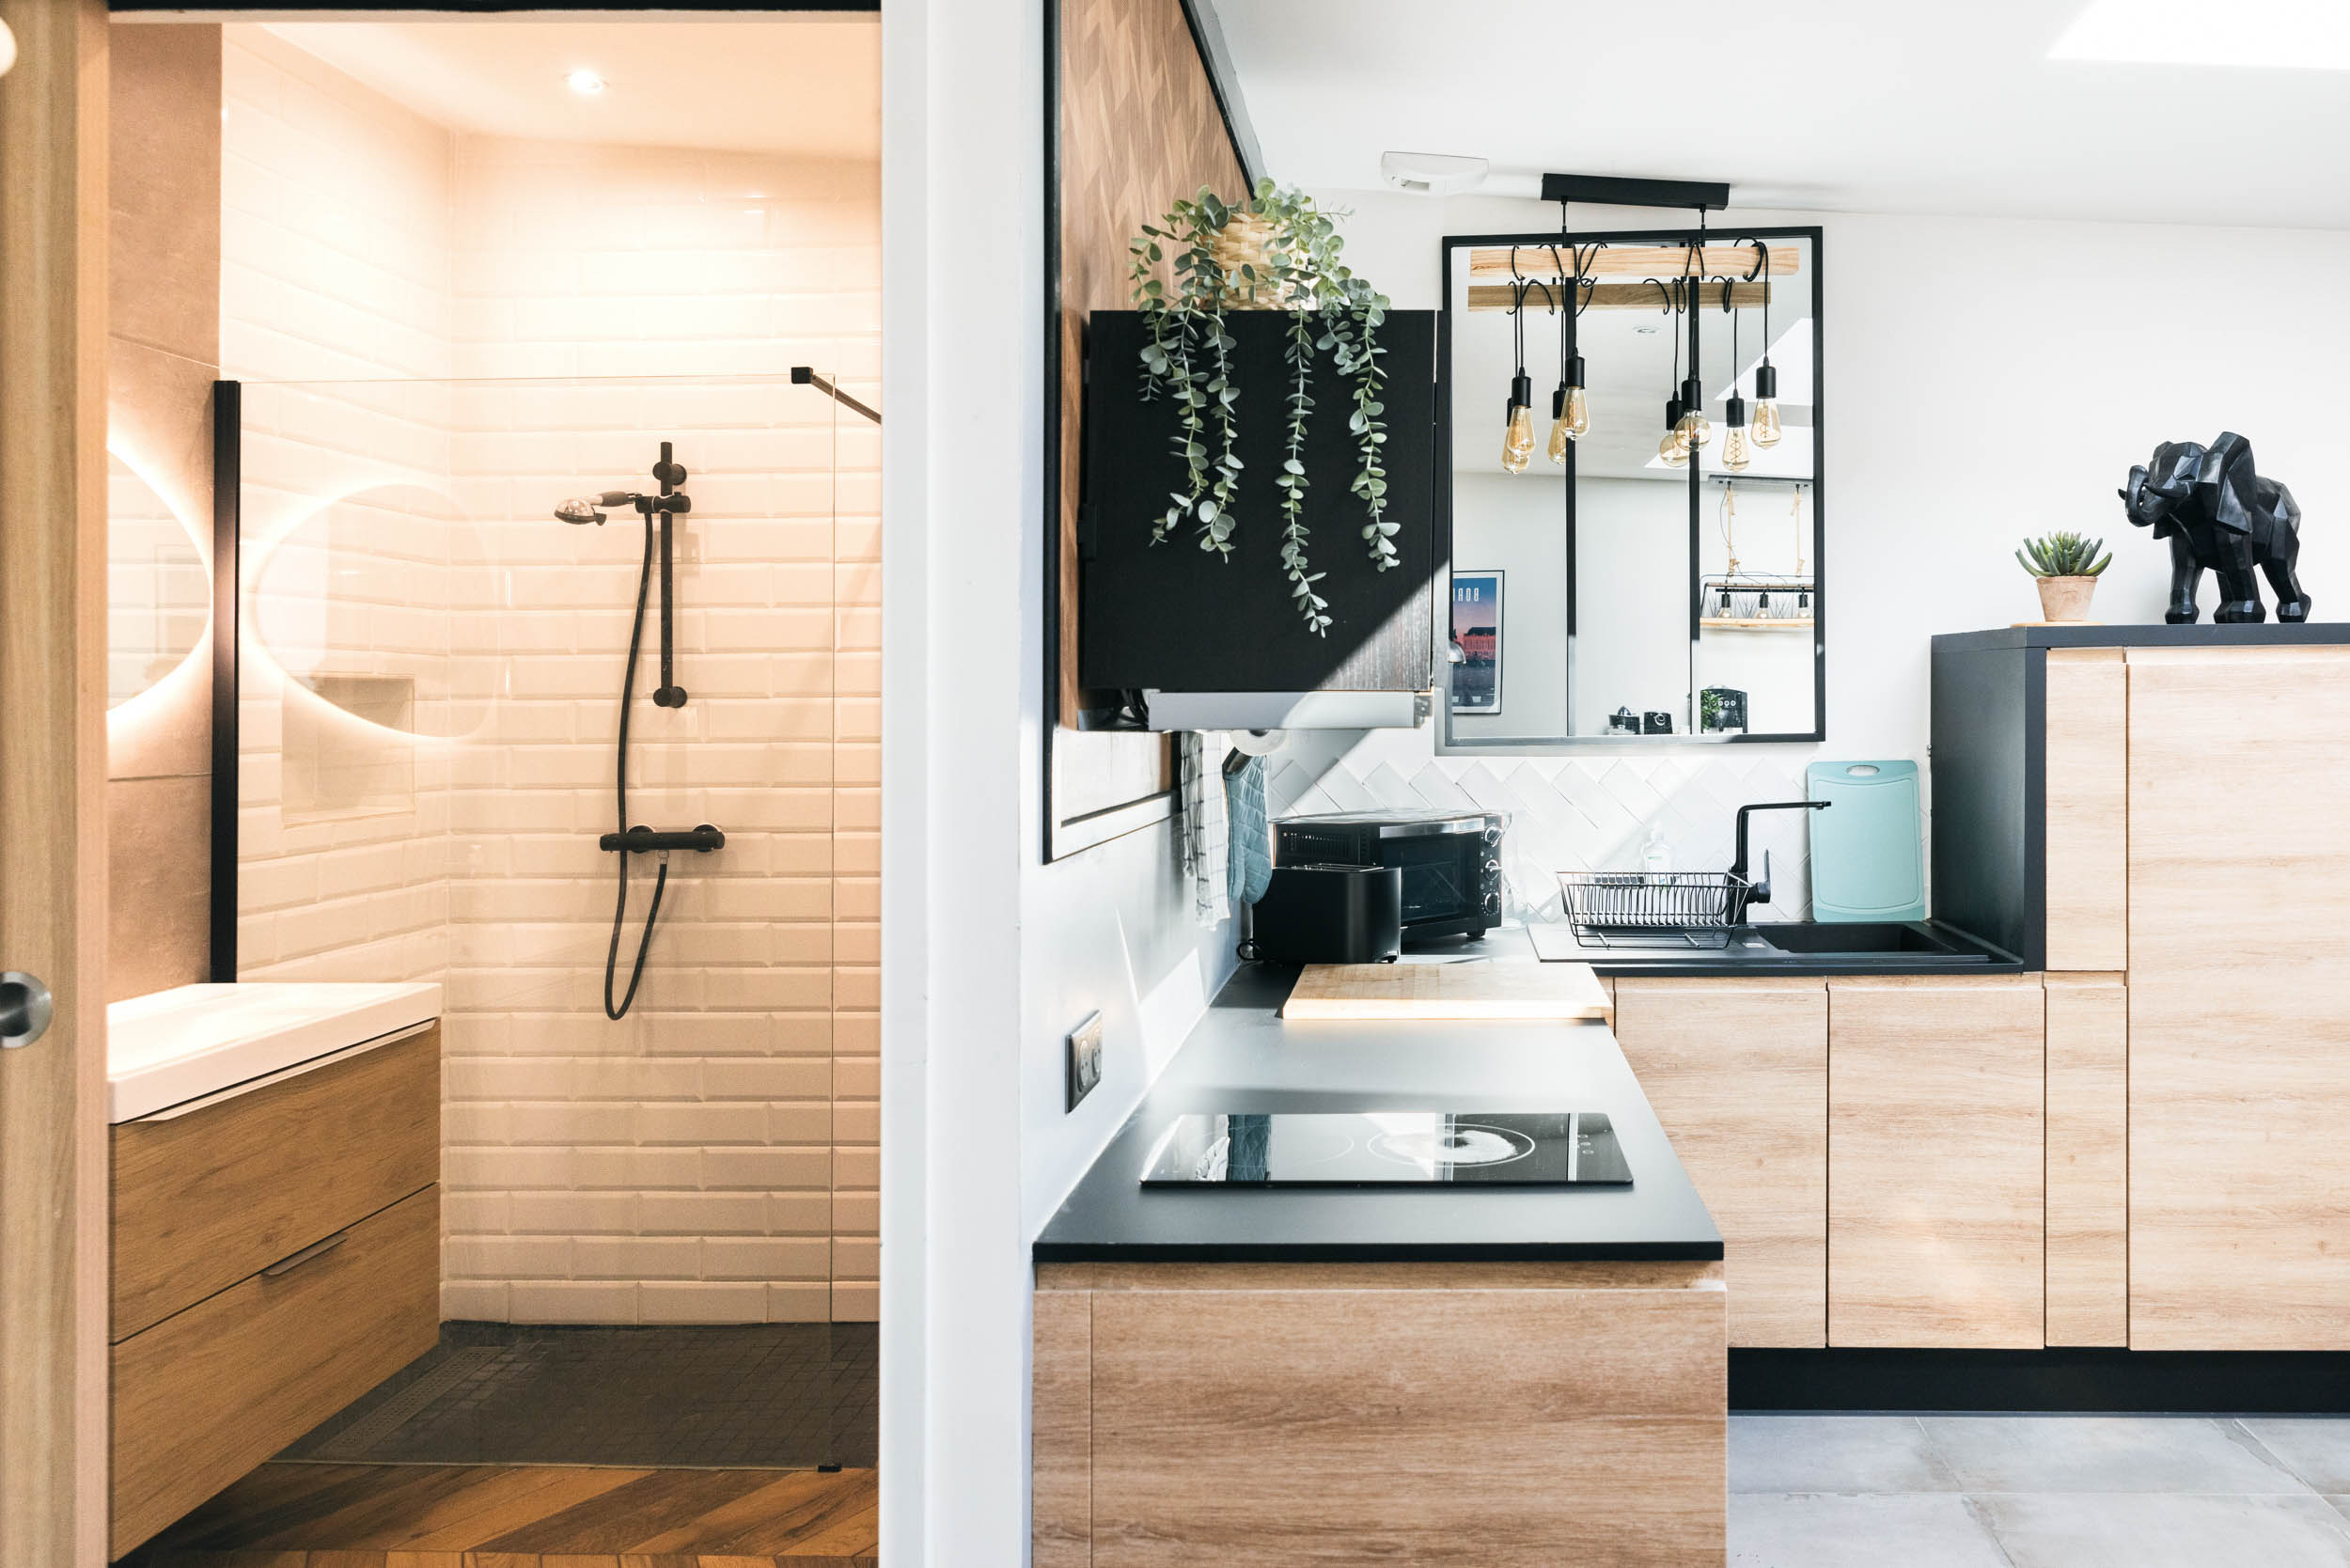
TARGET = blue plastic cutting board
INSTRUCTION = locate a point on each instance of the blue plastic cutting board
(1868, 862)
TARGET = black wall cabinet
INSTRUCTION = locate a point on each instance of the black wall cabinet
(1176, 618)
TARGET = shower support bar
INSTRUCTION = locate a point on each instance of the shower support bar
(803, 375)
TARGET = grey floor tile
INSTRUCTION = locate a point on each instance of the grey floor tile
(2104, 1454)
(2316, 1448)
(1834, 1453)
(2341, 1505)
(2109, 1531)
(1916, 1531)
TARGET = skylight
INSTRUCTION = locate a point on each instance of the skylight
(2304, 34)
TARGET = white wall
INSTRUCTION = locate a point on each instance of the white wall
(988, 954)
(1984, 380)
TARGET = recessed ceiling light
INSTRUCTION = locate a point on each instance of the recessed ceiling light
(586, 81)
(2306, 35)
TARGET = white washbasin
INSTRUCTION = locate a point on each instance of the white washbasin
(197, 1039)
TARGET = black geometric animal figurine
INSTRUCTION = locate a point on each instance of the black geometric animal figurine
(2219, 515)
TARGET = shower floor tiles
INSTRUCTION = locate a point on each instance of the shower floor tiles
(771, 1396)
(290, 1516)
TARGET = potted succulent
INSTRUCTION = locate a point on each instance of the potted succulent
(2066, 568)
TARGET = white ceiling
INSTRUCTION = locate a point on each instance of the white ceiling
(804, 83)
(1857, 106)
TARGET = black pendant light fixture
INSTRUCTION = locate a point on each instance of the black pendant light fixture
(1737, 451)
(1674, 448)
(1517, 431)
(1570, 409)
(1767, 428)
(1694, 429)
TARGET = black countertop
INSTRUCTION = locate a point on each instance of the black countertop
(2265, 634)
(1243, 1057)
(1734, 960)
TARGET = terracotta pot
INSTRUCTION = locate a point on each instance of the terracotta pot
(2065, 598)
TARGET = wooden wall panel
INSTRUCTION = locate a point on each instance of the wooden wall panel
(1936, 1192)
(1138, 128)
(2089, 1179)
(2088, 809)
(2239, 999)
(1737, 1072)
(53, 777)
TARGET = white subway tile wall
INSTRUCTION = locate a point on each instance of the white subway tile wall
(715, 1156)
(1566, 813)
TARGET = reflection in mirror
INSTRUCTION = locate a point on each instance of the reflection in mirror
(1658, 593)
(158, 592)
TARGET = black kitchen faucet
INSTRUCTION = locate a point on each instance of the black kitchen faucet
(1742, 892)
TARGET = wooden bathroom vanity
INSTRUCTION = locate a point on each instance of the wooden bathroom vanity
(275, 1254)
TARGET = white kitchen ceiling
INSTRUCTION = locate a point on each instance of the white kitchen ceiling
(805, 82)
(1855, 106)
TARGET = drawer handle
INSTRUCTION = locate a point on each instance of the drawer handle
(315, 1250)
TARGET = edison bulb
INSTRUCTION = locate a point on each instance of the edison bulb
(1736, 454)
(1695, 427)
(1560, 436)
(1766, 430)
(1672, 450)
(1517, 441)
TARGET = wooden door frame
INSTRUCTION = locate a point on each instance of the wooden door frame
(52, 774)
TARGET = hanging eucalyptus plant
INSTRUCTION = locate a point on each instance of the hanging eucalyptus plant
(1277, 250)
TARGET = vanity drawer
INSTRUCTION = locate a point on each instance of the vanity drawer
(200, 1400)
(205, 1197)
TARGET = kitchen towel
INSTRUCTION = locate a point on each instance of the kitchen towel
(1250, 834)
(1205, 829)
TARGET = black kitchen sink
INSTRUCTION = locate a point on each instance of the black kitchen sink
(1860, 936)
(1802, 947)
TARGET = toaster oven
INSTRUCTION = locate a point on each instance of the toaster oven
(1450, 861)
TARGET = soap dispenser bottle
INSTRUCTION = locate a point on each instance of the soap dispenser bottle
(1655, 855)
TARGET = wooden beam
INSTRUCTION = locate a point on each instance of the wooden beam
(53, 777)
(1485, 297)
(1491, 263)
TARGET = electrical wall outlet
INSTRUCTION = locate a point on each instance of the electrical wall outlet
(1084, 1058)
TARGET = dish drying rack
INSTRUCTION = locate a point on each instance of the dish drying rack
(1651, 909)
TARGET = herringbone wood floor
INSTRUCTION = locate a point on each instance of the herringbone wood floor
(295, 1515)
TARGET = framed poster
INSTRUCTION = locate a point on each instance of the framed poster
(1476, 652)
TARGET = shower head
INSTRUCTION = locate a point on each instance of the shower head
(578, 509)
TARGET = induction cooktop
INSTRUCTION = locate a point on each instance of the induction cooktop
(1388, 1148)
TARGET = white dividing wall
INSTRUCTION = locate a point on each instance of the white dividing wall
(1986, 379)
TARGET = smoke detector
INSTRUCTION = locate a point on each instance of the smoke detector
(1438, 174)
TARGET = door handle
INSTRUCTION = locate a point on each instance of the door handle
(25, 1008)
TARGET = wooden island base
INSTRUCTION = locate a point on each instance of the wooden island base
(1248, 1414)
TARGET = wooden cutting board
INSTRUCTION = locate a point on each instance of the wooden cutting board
(1475, 988)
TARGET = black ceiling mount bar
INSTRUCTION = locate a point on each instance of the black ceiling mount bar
(803, 375)
(1613, 190)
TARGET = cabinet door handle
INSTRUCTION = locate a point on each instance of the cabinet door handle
(310, 1253)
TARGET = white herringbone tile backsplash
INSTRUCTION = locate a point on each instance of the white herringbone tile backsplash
(1566, 814)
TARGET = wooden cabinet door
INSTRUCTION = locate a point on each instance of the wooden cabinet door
(2089, 1182)
(2239, 998)
(1737, 1072)
(1936, 1192)
(2087, 810)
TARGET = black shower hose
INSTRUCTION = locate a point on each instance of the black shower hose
(619, 909)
